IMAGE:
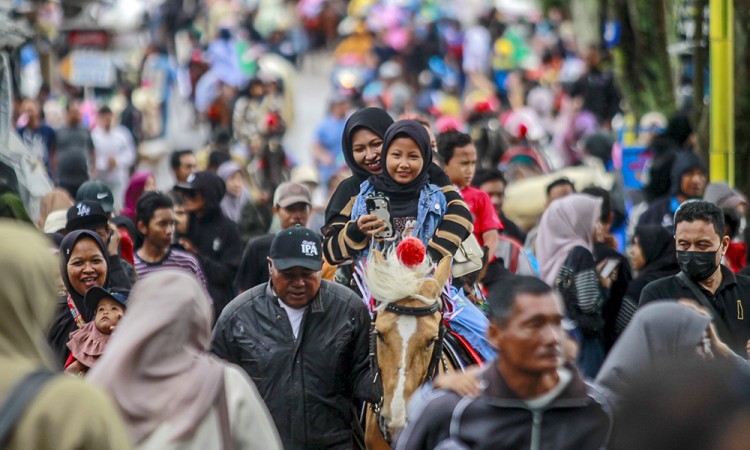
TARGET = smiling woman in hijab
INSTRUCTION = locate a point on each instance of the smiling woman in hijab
(27, 290)
(84, 263)
(171, 391)
(653, 256)
(564, 250)
(416, 206)
(362, 146)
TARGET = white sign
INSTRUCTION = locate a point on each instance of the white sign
(91, 68)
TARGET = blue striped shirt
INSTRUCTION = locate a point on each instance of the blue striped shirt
(175, 259)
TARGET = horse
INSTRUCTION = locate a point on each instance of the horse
(407, 336)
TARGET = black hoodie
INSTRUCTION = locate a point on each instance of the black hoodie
(216, 238)
(661, 211)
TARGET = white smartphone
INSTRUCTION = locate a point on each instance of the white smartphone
(610, 267)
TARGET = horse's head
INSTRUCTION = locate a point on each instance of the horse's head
(407, 330)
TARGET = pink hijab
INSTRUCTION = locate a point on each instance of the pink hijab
(156, 365)
(567, 223)
(134, 192)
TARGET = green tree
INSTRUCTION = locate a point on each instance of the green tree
(642, 63)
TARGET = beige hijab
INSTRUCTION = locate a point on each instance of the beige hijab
(156, 365)
(27, 301)
(567, 223)
(56, 200)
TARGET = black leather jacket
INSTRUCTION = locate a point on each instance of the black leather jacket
(308, 384)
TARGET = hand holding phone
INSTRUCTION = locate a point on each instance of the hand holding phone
(380, 206)
(609, 268)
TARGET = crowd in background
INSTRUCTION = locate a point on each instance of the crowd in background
(503, 128)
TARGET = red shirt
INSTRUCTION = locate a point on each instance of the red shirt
(482, 212)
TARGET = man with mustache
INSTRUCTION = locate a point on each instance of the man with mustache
(292, 204)
(304, 342)
(530, 396)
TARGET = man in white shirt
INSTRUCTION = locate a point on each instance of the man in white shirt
(115, 154)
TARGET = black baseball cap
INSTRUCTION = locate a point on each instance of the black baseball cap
(297, 247)
(210, 186)
(96, 294)
(86, 215)
(96, 191)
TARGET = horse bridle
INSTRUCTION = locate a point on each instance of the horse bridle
(435, 359)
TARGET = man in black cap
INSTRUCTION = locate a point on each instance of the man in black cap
(308, 349)
(89, 215)
(292, 203)
(211, 236)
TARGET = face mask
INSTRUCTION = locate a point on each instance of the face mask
(697, 265)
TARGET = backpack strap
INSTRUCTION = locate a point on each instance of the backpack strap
(458, 411)
(18, 400)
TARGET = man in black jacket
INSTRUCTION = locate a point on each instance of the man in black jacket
(701, 244)
(304, 342)
(211, 236)
(532, 399)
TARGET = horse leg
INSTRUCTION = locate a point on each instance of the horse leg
(373, 437)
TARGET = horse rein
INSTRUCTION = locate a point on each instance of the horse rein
(435, 359)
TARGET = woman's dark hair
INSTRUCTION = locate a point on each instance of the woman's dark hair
(448, 141)
(501, 301)
(731, 222)
(486, 175)
(596, 191)
(691, 211)
(149, 203)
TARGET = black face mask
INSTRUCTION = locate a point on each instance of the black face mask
(698, 266)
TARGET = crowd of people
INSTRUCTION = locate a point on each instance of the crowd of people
(223, 305)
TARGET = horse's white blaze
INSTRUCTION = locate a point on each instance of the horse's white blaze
(407, 326)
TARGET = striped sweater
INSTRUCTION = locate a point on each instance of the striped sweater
(175, 259)
(343, 240)
(578, 283)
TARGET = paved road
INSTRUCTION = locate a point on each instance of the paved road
(311, 91)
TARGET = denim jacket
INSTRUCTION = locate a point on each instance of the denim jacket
(430, 210)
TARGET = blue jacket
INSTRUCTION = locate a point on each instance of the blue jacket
(430, 209)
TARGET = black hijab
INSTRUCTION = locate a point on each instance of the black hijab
(64, 324)
(658, 248)
(374, 119)
(66, 251)
(383, 182)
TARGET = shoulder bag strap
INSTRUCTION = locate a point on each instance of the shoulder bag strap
(16, 403)
(699, 295)
(721, 326)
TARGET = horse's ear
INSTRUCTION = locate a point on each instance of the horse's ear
(377, 257)
(443, 271)
(430, 289)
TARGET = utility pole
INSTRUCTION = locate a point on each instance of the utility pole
(722, 90)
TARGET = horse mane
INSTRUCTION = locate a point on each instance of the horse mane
(389, 281)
